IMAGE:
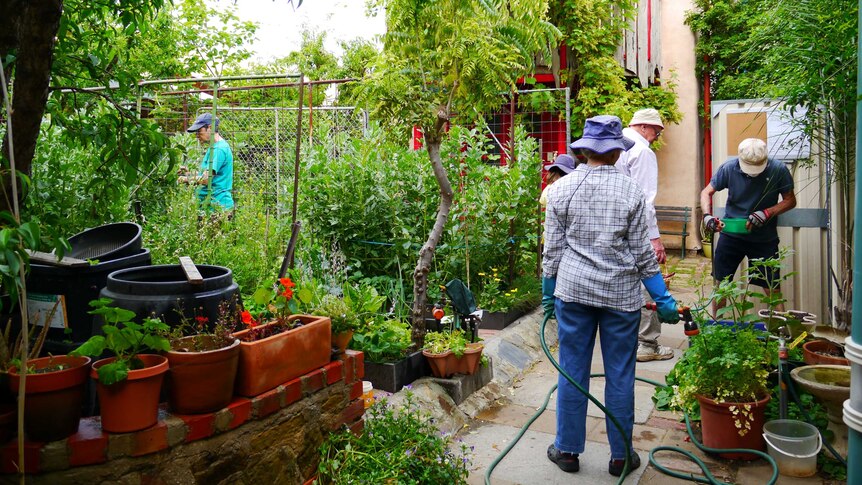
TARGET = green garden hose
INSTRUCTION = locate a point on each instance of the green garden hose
(707, 478)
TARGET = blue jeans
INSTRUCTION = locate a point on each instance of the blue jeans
(618, 331)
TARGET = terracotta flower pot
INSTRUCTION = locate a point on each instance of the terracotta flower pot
(201, 382)
(53, 397)
(468, 363)
(442, 365)
(267, 363)
(721, 427)
(447, 364)
(341, 339)
(132, 404)
(8, 419)
(823, 352)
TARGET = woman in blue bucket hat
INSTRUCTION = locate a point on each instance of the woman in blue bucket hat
(596, 255)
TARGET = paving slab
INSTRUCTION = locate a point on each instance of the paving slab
(517, 416)
(527, 463)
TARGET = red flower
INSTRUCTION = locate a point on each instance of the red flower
(287, 293)
(202, 320)
(285, 282)
(245, 316)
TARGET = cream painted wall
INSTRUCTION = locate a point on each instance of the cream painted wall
(680, 160)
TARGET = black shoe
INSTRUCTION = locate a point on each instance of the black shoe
(615, 467)
(568, 462)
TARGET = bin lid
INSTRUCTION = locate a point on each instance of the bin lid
(106, 242)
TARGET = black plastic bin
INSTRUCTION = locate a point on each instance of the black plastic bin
(107, 242)
(164, 292)
(75, 287)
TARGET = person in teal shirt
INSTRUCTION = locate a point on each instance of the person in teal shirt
(213, 195)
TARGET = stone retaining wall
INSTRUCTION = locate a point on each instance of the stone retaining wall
(271, 439)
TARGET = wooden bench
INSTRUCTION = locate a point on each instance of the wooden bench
(679, 216)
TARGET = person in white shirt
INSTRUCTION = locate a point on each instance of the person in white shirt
(640, 164)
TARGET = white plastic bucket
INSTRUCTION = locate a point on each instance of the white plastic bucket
(793, 445)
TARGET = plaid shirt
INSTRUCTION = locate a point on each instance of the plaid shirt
(596, 241)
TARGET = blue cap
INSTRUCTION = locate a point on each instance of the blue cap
(205, 119)
(602, 134)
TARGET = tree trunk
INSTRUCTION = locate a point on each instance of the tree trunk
(37, 27)
(426, 254)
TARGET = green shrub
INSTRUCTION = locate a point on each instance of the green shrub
(252, 244)
(397, 445)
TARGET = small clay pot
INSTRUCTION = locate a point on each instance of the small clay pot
(823, 352)
(341, 339)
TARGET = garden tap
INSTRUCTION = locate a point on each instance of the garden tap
(438, 313)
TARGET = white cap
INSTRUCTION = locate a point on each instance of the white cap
(647, 116)
(752, 156)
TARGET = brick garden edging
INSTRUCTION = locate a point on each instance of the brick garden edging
(273, 436)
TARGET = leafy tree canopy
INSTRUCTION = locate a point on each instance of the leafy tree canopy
(191, 37)
(449, 56)
(593, 30)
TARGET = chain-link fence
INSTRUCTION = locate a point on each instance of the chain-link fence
(544, 112)
(259, 121)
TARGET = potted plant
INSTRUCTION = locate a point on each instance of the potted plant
(364, 303)
(53, 387)
(285, 347)
(203, 365)
(344, 320)
(724, 371)
(388, 365)
(128, 384)
(450, 353)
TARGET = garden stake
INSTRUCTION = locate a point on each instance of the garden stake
(782, 366)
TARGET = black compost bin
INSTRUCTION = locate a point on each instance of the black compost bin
(75, 288)
(163, 291)
(106, 242)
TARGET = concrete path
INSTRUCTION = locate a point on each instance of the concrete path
(522, 378)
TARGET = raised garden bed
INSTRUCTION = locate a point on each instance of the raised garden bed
(272, 437)
(500, 320)
(392, 376)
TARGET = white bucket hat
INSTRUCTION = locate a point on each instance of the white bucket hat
(752, 156)
(647, 116)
